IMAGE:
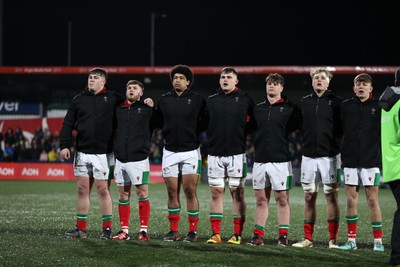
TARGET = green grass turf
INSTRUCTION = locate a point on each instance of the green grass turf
(36, 214)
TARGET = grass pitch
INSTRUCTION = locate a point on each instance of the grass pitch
(36, 214)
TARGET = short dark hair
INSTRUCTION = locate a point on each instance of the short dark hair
(275, 77)
(184, 70)
(135, 82)
(229, 70)
(100, 71)
(363, 77)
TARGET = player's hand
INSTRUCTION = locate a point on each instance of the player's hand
(148, 101)
(65, 154)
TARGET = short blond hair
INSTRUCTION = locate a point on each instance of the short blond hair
(321, 70)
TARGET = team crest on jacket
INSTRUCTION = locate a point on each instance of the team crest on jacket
(139, 110)
(373, 111)
(281, 109)
(189, 101)
(237, 99)
(105, 99)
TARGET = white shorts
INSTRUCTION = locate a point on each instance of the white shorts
(93, 165)
(368, 177)
(188, 162)
(325, 169)
(137, 172)
(233, 168)
(277, 175)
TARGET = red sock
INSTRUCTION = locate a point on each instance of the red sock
(144, 213)
(174, 221)
(216, 225)
(377, 233)
(309, 230)
(124, 215)
(242, 221)
(283, 231)
(259, 232)
(238, 224)
(81, 224)
(107, 224)
(352, 230)
(193, 223)
(333, 228)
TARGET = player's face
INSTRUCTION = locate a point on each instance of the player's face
(228, 82)
(133, 92)
(362, 89)
(96, 82)
(273, 88)
(320, 82)
(179, 82)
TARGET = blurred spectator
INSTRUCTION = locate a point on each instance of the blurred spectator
(8, 154)
(34, 153)
(249, 151)
(155, 154)
(19, 145)
(38, 134)
(53, 155)
(46, 134)
(295, 148)
(158, 140)
(55, 139)
(9, 137)
(43, 156)
(46, 144)
(19, 134)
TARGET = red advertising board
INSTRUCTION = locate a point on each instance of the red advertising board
(54, 172)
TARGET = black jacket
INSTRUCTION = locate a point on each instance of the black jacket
(93, 118)
(361, 133)
(181, 119)
(274, 123)
(322, 128)
(134, 130)
(230, 117)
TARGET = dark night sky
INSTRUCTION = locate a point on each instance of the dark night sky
(117, 33)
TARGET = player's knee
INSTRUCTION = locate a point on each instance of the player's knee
(329, 188)
(216, 182)
(236, 182)
(309, 188)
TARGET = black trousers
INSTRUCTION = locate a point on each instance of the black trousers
(395, 242)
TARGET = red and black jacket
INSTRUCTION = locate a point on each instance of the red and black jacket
(134, 130)
(361, 122)
(274, 123)
(181, 119)
(322, 127)
(230, 116)
(93, 118)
